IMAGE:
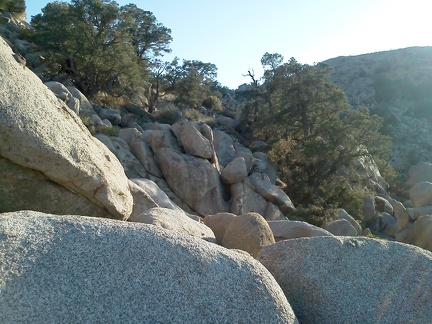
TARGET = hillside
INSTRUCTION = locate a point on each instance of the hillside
(397, 86)
(172, 206)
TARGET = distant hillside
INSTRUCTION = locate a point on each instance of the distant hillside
(397, 85)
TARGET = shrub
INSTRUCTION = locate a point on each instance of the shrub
(108, 130)
(168, 116)
(13, 6)
(213, 103)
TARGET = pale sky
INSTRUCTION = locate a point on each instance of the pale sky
(234, 34)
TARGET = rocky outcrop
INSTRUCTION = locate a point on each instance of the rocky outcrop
(193, 142)
(93, 270)
(352, 280)
(38, 132)
(194, 180)
(419, 173)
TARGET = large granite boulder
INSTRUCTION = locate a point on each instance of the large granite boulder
(244, 199)
(156, 193)
(194, 180)
(39, 132)
(235, 171)
(352, 280)
(341, 227)
(419, 173)
(262, 185)
(142, 151)
(193, 142)
(419, 233)
(248, 232)
(342, 214)
(92, 270)
(421, 194)
(224, 147)
(85, 107)
(218, 224)
(23, 188)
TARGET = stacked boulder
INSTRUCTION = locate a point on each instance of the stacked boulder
(415, 224)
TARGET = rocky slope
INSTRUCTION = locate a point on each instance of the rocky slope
(396, 85)
(202, 193)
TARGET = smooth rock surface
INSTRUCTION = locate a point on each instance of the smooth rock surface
(343, 214)
(218, 224)
(26, 189)
(248, 232)
(286, 229)
(235, 171)
(419, 173)
(174, 220)
(193, 142)
(419, 233)
(156, 193)
(194, 180)
(58, 269)
(40, 133)
(352, 280)
(244, 199)
(263, 186)
(421, 194)
(341, 227)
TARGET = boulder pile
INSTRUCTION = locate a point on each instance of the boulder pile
(192, 210)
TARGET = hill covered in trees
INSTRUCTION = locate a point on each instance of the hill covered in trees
(396, 85)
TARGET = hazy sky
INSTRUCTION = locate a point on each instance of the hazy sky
(234, 34)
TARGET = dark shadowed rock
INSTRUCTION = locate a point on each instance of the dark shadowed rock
(58, 269)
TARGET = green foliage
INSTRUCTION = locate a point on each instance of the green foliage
(390, 90)
(313, 133)
(13, 6)
(392, 177)
(198, 117)
(213, 103)
(192, 82)
(314, 214)
(101, 46)
(168, 116)
(108, 130)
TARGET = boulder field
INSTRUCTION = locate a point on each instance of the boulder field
(199, 230)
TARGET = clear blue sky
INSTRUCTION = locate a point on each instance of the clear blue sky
(235, 34)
